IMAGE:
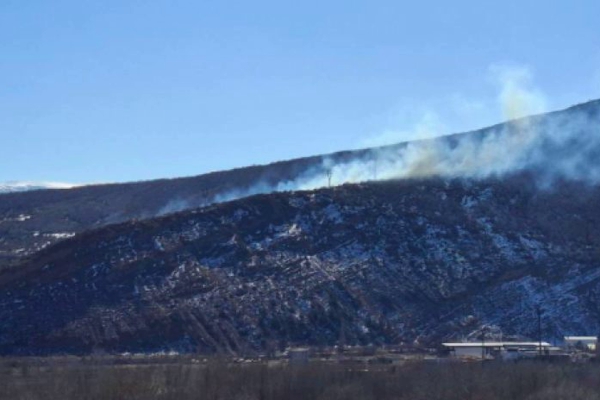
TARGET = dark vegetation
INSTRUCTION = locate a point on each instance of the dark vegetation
(375, 263)
(20, 380)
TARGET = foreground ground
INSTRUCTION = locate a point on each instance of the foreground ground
(186, 379)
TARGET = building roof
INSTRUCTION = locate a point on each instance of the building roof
(581, 338)
(496, 344)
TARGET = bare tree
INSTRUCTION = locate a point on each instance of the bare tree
(375, 169)
(329, 174)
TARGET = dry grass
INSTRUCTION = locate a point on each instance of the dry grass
(20, 380)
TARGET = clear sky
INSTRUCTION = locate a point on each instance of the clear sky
(120, 90)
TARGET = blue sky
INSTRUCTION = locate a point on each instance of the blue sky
(102, 91)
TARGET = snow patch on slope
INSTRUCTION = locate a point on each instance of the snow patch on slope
(23, 186)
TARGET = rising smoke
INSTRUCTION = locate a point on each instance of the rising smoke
(563, 145)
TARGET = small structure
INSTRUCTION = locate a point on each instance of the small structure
(488, 350)
(298, 355)
(581, 342)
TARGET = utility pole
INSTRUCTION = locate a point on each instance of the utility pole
(374, 169)
(538, 310)
(483, 343)
(329, 174)
(341, 341)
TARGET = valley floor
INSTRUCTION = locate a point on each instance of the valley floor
(188, 378)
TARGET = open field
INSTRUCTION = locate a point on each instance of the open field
(214, 379)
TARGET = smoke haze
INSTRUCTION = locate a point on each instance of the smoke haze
(563, 145)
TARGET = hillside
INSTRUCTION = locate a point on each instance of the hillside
(563, 144)
(30, 221)
(381, 262)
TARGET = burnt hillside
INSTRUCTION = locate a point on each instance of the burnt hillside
(373, 263)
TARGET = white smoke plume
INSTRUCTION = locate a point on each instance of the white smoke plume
(556, 145)
(518, 96)
(422, 124)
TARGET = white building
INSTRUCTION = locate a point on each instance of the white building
(505, 350)
(583, 342)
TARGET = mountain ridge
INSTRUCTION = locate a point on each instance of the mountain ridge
(431, 255)
(387, 262)
(30, 221)
(26, 186)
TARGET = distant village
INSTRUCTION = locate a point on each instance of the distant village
(573, 349)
